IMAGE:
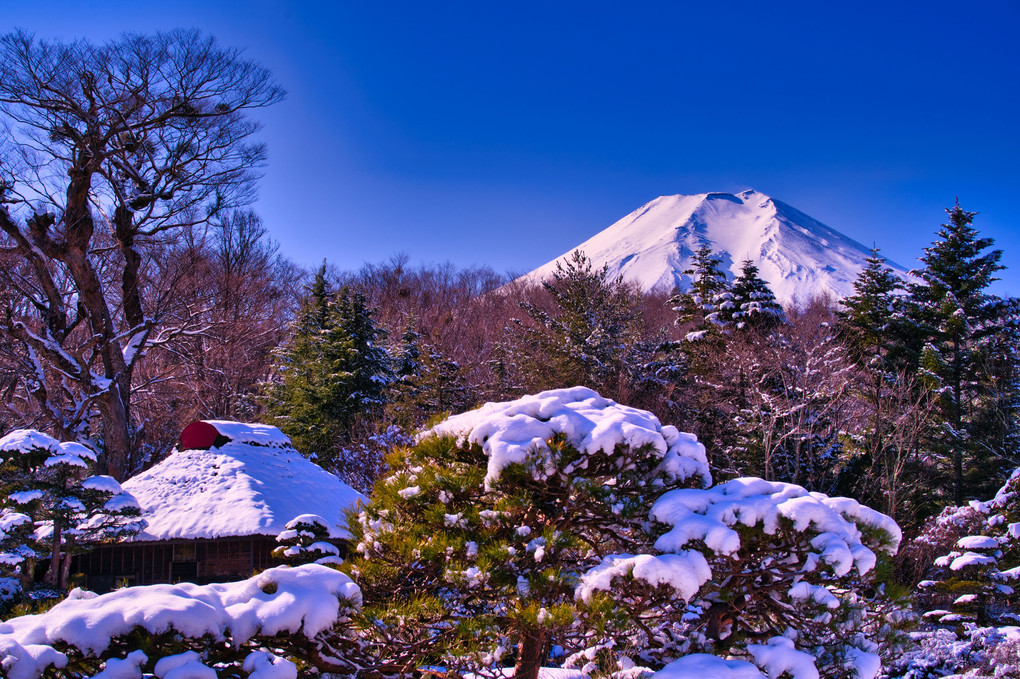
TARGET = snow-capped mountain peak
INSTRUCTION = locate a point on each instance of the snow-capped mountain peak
(800, 257)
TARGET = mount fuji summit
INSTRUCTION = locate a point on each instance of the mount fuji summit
(800, 257)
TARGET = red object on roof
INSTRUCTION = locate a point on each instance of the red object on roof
(199, 435)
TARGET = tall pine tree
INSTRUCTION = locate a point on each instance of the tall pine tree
(754, 305)
(587, 337)
(705, 308)
(334, 371)
(961, 322)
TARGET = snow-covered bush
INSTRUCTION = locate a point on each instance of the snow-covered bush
(306, 540)
(565, 525)
(780, 568)
(968, 599)
(471, 550)
(46, 482)
(973, 581)
(267, 626)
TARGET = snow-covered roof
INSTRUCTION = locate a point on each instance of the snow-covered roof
(238, 488)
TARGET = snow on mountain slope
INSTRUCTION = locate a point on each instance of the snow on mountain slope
(799, 256)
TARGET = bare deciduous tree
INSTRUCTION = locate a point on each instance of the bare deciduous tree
(114, 152)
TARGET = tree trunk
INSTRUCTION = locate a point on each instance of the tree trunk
(116, 452)
(532, 650)
(53, 574)
(65, 564)
(958, 493)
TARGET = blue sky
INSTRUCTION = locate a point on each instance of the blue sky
(503, 134)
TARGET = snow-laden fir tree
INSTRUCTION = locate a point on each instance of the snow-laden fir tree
(47, 482)
(408, 359)
(437, 385)
(706, 308)
(333, 372)
(753, 305)
(960, 323)
(871, 320)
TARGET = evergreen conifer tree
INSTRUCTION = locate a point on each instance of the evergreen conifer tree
(47, 481)
(707, 306)
(437, 385)
(870, 321)
(877, 340)
(960, 322)
(334, 371)
(587, 337)
(753, 303)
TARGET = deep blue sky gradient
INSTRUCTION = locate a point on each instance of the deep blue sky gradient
(503, 134)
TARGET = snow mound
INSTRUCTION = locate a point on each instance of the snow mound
(304, 600)
(977, 542)
(705, 666)
(237, 489)
(710, 516)
(779, 656)
(509, 431)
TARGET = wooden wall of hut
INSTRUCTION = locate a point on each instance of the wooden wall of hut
(172, 561)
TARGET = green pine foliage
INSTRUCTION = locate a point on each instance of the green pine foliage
(587, 335)
(334, 372)
(485, 569)
(754, 305)
(706, 308)
(961, 323)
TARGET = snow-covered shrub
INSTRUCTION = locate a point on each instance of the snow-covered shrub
(968, 599)
(471, 550)
(267, 626)
(973, 581)
(306, 540)
(776, 564)
(46, 482)
(567, 521)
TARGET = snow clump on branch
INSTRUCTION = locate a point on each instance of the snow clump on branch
(510, 431)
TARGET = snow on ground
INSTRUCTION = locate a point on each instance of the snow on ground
(302, 600)
(705, 666)
(238, 489)
(509, 431)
